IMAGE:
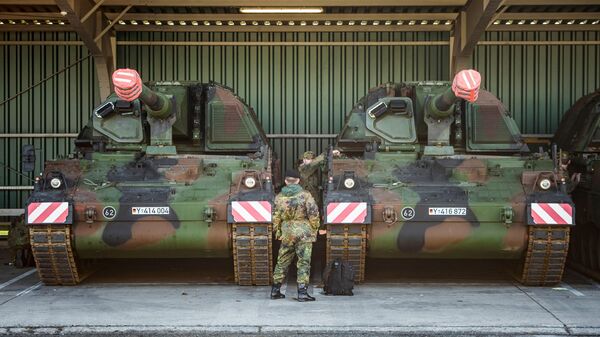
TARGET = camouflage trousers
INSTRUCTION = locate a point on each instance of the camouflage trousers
(287, 251)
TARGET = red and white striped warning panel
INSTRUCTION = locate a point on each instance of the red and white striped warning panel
(346, 212)
(551, 214)
(251, 211)
(47, 212)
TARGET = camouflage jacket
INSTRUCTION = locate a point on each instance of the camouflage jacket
(296, 215)
(18, 234)
(309, 175)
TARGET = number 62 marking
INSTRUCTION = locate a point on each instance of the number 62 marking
(407, 213)
(109, 212)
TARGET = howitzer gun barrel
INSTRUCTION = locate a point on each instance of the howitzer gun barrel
(442, 103)
(465, 85)
(128, 86)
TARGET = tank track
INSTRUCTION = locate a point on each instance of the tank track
(348, 242)
(53, 254)
(252, 254)
(546, 255)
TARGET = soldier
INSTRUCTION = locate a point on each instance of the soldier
(18, 242)
(309, 172)
(295, 222)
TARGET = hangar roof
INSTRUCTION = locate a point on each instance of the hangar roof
(337, 15)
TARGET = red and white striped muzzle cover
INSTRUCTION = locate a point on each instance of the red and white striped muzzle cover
(127, 84)
(466, 84)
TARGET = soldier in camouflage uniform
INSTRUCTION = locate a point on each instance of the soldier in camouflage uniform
(18, 243)
(295, 222)
(309, 173)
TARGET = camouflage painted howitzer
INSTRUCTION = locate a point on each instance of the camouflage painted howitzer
(162, 170)
(439, 170)
(578, 137)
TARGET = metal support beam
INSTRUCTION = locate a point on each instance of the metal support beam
(11, 211)
(30, 15)
(16, 188)
(281, 17)
(468, 29)
(113, 22)
(100, 48)
(357, 17)
(281, 43)
(36, 28)
(282, 28)
(40, 43)
(497, 15)
(254, 3)
(550, 16)
(301, 3)
(543, 28)
(38, 135)
(92, 11)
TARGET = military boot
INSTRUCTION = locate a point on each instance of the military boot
(303, 295)
(275, 291)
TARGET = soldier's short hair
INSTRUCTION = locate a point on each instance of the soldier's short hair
(308, 155)
(290, 180)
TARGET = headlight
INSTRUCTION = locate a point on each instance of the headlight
(250, 182)
(55, 183)
(545, 184)
(349, 183)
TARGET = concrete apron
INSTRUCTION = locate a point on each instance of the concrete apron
(406, 308)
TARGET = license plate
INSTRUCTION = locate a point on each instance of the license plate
(447, 211)
(149, 210)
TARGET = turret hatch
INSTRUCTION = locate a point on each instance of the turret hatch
(392, 118)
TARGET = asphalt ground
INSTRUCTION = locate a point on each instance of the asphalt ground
(199, 298)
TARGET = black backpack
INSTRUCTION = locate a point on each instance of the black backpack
(339, 278)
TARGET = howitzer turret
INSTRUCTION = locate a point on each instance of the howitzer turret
(161, 109)
(466, 86)
(440, 110)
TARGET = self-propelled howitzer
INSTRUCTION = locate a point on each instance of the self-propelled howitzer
(440, 170)
(162, 170)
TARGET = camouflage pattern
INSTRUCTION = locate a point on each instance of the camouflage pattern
(310, 175)
(295, 216)
(287, 252)
(462, 194)
(18, 243)
(186, 165)
(295, 222)
(18, 236)
(308, 155)
(578, 136)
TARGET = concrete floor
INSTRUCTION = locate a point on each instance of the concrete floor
(198, 298)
